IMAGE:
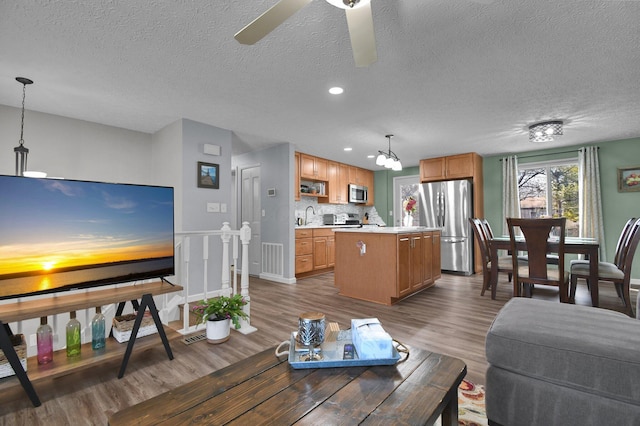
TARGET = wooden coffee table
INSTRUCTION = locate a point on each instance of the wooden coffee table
(265, 389)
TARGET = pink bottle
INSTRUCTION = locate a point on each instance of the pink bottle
(44, 336)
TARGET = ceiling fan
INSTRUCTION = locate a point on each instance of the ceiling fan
(359, 22)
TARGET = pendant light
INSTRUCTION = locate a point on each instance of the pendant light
(389, 159)
(22, 151)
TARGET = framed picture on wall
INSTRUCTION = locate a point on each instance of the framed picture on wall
(208, 175)
(629, 179)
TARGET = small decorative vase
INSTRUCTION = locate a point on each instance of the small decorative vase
(218, 330)
(407, 220)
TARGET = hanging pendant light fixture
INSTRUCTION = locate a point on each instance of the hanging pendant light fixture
(389, 159)
(20, 150)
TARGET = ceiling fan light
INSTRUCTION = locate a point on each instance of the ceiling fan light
(381, 159)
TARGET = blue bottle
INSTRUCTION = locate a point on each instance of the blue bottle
(98, 330)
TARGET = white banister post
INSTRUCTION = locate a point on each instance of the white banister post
(235, 264)
(205, 258)
(185, 282)
(226, 236)
(245, 238)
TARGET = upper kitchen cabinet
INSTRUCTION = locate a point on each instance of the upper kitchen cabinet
(452, 167)
(313, 168)
(338, 183)
(316, 171)
(296, 186)
(362, 177)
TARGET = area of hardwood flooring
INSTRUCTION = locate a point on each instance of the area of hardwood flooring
(450, 318)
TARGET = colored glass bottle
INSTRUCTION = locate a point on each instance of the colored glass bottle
(44, 338)
(73, 336)
(97, 330)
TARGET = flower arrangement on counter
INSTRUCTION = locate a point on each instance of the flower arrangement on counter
(410, 205)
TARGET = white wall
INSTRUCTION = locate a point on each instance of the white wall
(276, 171)
(75, 149)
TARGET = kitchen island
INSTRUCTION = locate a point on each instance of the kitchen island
(386, 264)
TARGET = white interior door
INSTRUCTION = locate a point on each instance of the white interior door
(250, 212)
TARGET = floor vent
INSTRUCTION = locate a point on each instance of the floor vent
(194, 338)
(272, 259)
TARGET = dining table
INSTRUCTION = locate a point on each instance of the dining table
(572, 245)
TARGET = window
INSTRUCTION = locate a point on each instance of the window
(550, 189)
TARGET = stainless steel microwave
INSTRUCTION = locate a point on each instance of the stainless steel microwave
(358, 194)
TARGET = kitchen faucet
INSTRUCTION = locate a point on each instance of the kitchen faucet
(307, 211)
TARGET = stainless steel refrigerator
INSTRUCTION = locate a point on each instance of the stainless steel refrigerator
(449, 205)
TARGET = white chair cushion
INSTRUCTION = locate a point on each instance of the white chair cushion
(606, 270)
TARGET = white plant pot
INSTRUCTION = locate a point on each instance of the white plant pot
(218, 331)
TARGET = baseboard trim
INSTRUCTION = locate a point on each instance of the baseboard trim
(277, 279)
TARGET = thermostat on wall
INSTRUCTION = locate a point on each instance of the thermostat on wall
(271, 192)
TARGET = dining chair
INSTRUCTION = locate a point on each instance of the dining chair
(619, 274)
(619, 246)
(504, 262)
(537, 270)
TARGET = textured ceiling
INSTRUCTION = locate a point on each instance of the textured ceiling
(452, 75)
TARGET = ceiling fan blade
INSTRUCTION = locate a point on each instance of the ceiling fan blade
(269, 20)
(363, 40)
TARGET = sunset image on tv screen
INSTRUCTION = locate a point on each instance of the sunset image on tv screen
(62, 232)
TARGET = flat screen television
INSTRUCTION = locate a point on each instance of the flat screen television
(58, 234)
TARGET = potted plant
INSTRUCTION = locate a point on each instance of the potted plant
(218, 313)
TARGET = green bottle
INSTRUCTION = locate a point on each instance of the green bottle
(73, 336)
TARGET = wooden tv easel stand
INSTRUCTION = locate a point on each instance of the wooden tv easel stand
(59, 303)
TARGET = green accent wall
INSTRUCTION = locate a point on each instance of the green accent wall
(617, 207)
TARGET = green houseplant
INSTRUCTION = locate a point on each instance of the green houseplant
(221, 308)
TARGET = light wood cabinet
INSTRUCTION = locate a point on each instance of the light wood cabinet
(323, 249)
(320, 253)
(313, 168)
(315, 250)
(393, 267)
(436, 263)
(331, 251)
(304, 250)
(338, 183)
(296, 184)
(368, 182)
(410, 264)
(336, 175)
(453, 167)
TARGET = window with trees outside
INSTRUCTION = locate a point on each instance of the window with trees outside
(550, 189)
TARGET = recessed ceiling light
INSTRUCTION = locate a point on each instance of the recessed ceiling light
(348, 149)
(336, 90)
(371, 156)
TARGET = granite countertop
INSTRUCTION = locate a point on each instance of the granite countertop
(316, 226)
(388, 229)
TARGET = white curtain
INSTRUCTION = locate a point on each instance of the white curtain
(510, 196)
(590, 198)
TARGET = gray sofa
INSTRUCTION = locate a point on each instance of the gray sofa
(552, 363)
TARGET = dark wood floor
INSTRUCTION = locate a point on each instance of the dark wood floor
(450, 318)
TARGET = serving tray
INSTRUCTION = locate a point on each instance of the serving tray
(332, 356)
